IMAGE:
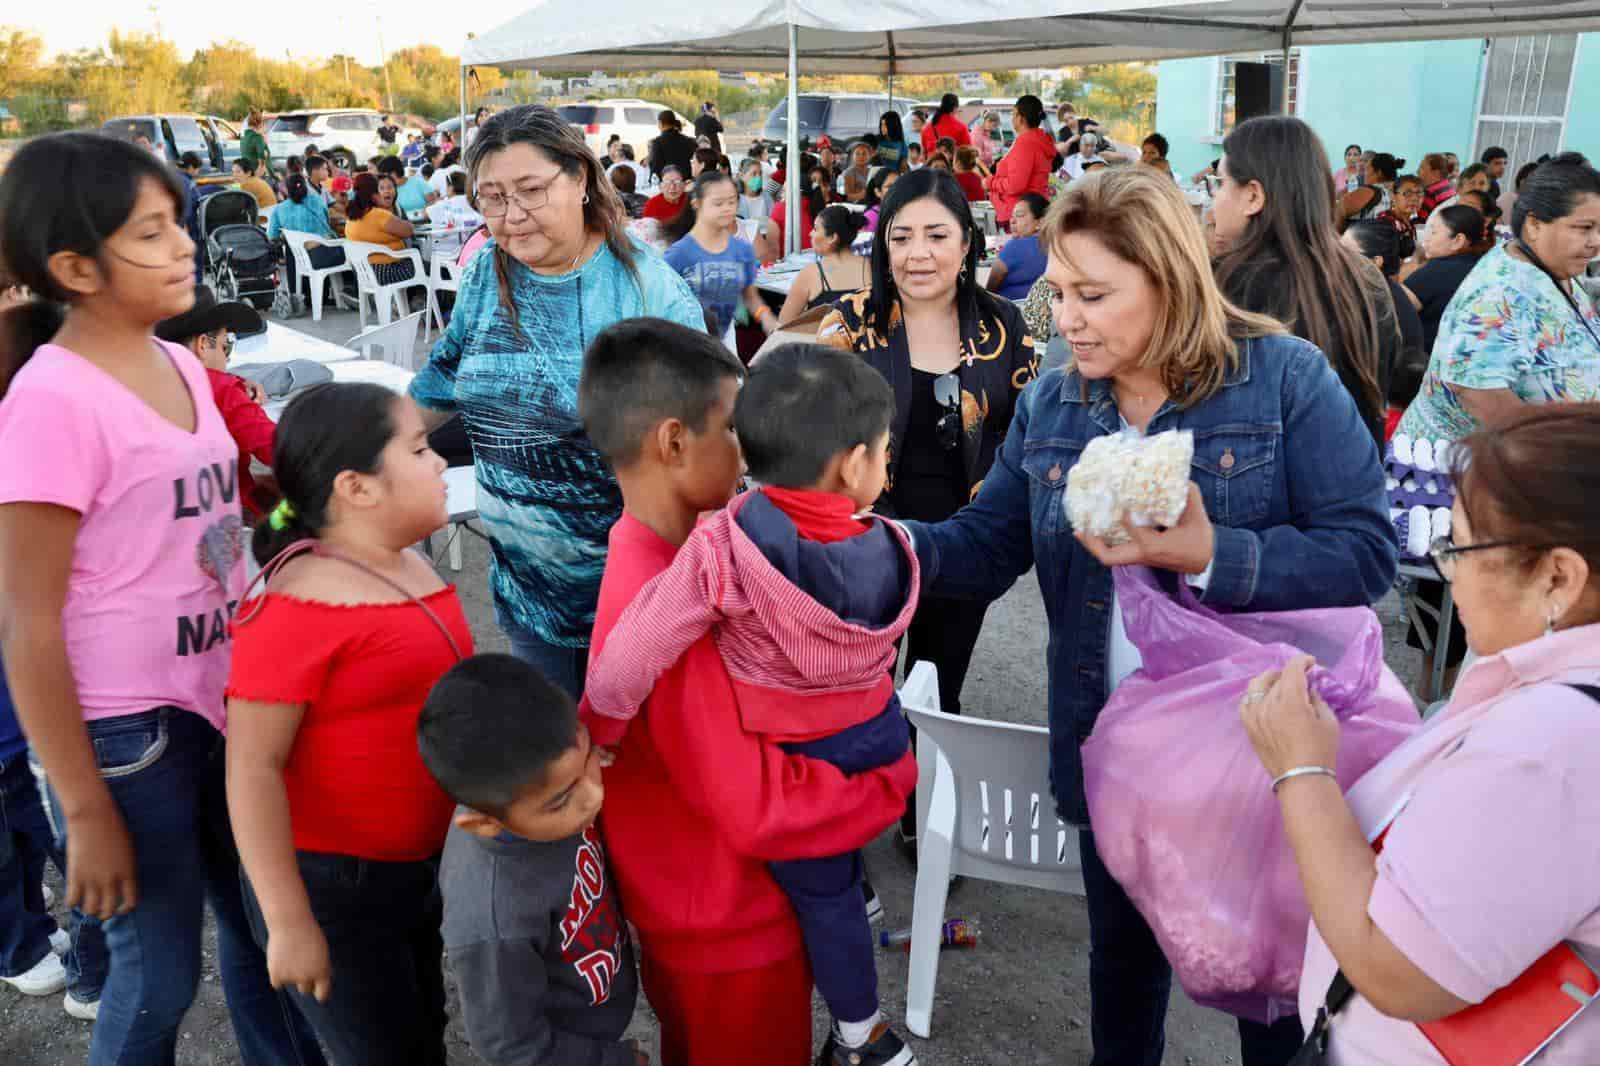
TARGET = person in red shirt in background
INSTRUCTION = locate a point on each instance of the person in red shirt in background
(1027, 166)
(945, 124)
(667, 204)
(696, 806)
(207, 330)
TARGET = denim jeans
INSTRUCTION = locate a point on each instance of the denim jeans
(381, 920)
(563, 667)
(1130, 981)
(26, 842)
(826, 893)
(165, 771)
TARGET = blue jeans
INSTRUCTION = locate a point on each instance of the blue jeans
(563, 667)
(381, 921)
(165, 771)
(26, 842)
(1130, 981)
(826, 893)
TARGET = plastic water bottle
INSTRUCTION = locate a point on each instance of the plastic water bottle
(956, 933)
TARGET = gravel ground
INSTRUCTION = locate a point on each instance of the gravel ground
(1021, 997)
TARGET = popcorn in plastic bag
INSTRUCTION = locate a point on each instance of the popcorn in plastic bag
(1128, 475)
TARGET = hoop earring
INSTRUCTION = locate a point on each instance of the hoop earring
(586, 198)
(963, 274)
(1550, 619)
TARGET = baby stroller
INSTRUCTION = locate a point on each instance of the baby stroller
(240, 263)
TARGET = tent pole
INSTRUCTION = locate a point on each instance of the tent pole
(1288, 43)
(888, 39)
(791, 162)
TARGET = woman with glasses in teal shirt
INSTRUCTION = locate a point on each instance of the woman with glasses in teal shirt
(561, 267)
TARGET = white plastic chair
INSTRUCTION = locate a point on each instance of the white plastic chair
(315, 278)
(983, 802)
(394, 343)
(389, 299)
(445, 277)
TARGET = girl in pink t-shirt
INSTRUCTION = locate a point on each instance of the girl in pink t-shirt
(120, 563)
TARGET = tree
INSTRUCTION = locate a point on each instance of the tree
(1121, 91)
(21, 60)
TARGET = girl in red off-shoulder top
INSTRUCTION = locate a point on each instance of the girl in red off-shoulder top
(339, 824)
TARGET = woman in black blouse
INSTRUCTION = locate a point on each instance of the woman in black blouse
(957, 357)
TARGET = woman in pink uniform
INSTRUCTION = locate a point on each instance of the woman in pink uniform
(1473, 850)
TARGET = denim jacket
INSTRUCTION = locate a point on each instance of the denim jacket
(1291, 480)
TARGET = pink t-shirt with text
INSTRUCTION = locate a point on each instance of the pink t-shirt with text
(158, 563)
(1494, 857)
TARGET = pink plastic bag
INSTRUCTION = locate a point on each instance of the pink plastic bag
(1182, 813)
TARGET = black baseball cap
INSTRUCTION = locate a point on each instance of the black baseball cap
(207, 316)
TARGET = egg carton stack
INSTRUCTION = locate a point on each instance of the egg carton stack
(1416, 473)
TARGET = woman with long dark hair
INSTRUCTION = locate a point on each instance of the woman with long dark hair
(561, 268)
(1274, 210)
(958, 357)
(892, 149)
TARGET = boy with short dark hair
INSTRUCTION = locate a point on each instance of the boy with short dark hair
(806, 603)
(698, 801)
(531, 923)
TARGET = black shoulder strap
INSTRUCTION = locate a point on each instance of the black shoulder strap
(1592, 691)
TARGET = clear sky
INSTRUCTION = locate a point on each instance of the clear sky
(350, 26)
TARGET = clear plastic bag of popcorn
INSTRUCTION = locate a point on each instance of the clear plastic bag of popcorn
(1129, 476)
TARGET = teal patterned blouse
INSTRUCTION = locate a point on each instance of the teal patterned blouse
(1507, 327)
(545, 497)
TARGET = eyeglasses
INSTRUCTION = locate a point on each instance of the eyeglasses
(495, 205)
(1444, 550)
(947, 394)
(673, 184)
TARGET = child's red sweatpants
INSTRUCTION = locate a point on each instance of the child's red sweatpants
(710, 1018)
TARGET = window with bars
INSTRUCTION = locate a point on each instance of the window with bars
(1525, 85)
(1226, 111)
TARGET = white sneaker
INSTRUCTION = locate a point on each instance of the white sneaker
(87, 1012)
(60, 941)
(48, 976)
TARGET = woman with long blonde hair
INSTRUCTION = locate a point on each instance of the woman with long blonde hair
(1286, 510)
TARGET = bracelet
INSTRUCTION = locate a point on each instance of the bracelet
(1302, 771)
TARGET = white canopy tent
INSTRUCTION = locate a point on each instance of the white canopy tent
(890, 37)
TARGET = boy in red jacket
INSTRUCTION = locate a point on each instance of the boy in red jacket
(807, 604)
(207, 330)
(697, 803)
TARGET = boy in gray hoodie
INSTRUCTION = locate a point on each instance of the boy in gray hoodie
(532, 925)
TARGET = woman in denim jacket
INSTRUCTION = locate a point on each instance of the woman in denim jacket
(1287, 511)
